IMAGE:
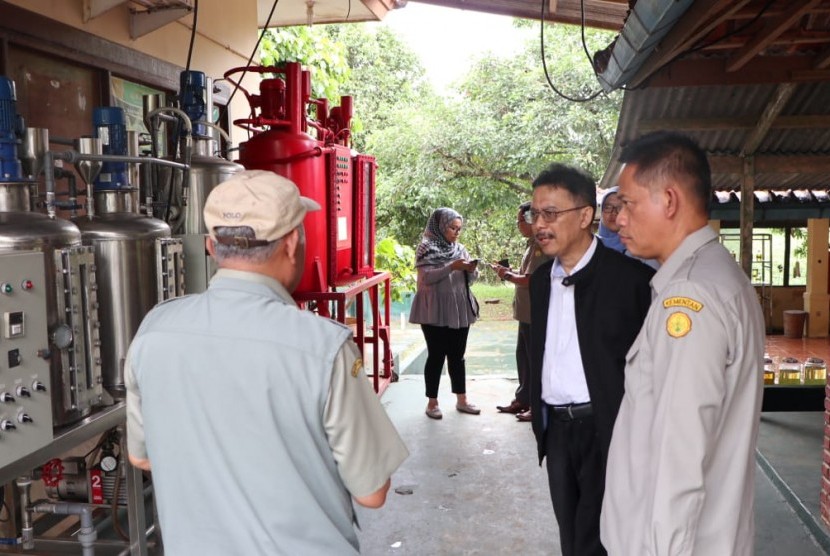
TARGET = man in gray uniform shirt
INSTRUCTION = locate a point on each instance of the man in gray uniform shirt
(255, 417)
(680, 475)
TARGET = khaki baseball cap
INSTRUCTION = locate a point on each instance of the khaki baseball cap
(268, 203)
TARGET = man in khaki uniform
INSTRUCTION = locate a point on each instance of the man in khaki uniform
(680, 475)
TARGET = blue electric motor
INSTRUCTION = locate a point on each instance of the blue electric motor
(110, 126)
(193, 99)
(11, 129)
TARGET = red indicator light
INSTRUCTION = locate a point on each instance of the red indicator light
(27, 284)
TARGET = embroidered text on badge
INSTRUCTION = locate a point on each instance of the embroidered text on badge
(686, 302)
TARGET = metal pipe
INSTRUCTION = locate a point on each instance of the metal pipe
(221, 131)
(90, 200)
(73, 157)
(49, 182)
(27, 535)
(185, 120)
(73, 193)
(87, 535)
(181, 113)
(128, 551)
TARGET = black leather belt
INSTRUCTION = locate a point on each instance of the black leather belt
(570, 412)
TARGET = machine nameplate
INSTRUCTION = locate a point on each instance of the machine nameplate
(14, 324)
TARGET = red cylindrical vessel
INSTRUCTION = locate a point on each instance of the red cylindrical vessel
(301, 159)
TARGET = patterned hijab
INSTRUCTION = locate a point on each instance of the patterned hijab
(434, 248)
(609, 238)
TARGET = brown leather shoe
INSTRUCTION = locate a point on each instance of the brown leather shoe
(514, 407)
(525, 416)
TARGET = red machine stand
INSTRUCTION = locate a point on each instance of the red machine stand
(381, 377)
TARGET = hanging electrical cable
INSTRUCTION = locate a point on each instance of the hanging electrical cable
(582, 34)
(251, 57)
(545, 65)
(192, 35)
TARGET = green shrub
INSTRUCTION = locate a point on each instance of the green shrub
(399, 261)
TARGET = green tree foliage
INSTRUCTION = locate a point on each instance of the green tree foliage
(397, 259)
(324, 57)
(479, 150)
(367, 62)
(385, 75)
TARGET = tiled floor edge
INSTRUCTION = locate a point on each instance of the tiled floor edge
(815, 528)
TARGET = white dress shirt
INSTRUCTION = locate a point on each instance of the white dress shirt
(563, 377)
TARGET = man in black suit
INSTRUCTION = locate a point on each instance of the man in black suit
(587, 306)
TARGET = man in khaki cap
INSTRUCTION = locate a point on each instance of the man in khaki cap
(257, 417)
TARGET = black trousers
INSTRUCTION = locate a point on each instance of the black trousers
(576, 476)
(522, 394)
(443, 343)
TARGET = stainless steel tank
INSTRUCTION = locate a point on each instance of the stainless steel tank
(129, 249)
(71, 321)
(206, 172)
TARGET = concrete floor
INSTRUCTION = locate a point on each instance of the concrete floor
(472, 485)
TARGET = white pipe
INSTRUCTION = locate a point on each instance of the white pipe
(87, 535)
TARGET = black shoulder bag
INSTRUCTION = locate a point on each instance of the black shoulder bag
(470, 297)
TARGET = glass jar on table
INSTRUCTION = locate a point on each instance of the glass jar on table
(769, 370)
(815, 372)
(790, 372)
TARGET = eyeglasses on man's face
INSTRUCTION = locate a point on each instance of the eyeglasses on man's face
(611, 209)
(549, 215)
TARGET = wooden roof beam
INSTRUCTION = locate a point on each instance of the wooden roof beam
(776, 104)
(822, 59)
(771, 164)
(771, 30)
(790, 38)
(803, 121)
(699, 72)
(686, 33)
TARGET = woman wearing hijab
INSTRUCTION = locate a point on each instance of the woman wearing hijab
(444, 306)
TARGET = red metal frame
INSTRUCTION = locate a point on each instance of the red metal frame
(380, 339)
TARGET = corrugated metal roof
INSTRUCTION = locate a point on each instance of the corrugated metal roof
(722, 119)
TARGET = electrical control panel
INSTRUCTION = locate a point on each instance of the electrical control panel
(25, 396)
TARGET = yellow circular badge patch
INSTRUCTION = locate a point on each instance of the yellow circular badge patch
(678, 324)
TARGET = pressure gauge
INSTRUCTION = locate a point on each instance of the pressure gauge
(109, 463)
(62, 336)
